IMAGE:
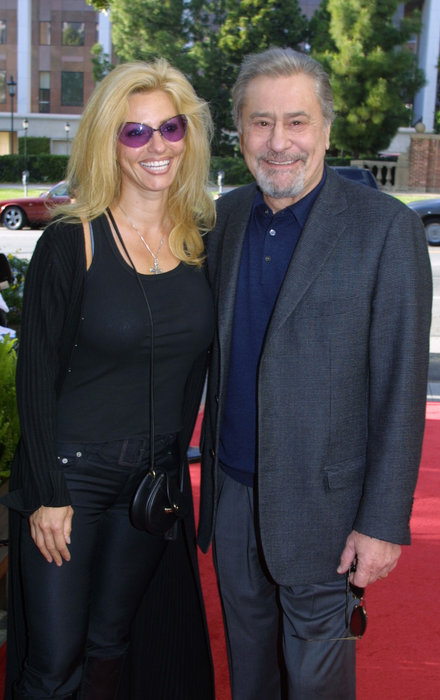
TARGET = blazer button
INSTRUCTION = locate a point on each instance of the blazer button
(212, 452)
(216, 398)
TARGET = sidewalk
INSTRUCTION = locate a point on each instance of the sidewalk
(433, 392)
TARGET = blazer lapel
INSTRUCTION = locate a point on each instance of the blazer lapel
(321, 233)
(230, 257)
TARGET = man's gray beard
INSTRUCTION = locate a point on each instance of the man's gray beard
(270, 189)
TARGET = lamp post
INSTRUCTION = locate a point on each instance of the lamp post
(25, 174)
(67, 130)
(11, 87)
(25, 129)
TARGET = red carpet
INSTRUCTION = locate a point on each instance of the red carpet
(399, 657)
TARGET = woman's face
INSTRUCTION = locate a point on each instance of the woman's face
(153, 166)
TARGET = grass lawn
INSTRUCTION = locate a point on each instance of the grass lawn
(414, 197)
(13, 192)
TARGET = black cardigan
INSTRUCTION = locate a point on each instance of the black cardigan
(172, 610)
(51, 311)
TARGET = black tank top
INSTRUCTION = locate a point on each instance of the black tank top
(105, 395)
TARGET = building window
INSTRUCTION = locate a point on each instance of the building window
(2, 31)
(44, 33)
(2, 87)
(73, 33)
(44, 92)
(72, 88)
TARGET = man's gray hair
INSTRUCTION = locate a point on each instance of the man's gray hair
(276, 62)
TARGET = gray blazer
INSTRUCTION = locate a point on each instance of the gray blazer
(341, 381)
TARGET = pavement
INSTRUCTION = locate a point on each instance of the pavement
(433, 391)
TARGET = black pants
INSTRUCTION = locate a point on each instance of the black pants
(85, 607)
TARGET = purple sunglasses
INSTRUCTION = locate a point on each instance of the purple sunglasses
(135, 135)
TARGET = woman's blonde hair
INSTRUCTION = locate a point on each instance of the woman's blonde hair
(93, 172)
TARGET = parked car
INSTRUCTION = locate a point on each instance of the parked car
(353, 172)
(429, 212)
(32, 211)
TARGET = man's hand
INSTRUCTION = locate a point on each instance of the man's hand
(50, 530)
(374, 559)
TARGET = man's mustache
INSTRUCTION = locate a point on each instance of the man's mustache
(283, 159)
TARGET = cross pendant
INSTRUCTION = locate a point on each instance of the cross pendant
(156, 269)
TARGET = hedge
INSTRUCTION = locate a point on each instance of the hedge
(42, 167)
(52, 168)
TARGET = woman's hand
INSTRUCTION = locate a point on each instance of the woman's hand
(50, 530)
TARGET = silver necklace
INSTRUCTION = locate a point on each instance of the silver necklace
(156, 270)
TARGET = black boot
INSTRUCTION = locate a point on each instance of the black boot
(101, 678)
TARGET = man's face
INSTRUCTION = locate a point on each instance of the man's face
(284, 137)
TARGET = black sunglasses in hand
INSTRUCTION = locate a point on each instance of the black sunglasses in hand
(356, 621)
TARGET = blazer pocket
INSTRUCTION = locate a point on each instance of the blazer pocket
(345, 474)
(329, 307)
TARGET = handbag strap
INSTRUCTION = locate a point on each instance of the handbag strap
(151, 367)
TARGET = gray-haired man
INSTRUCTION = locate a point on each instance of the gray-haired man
(315, 407)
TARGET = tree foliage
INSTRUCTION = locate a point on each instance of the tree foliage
(320, 39)
(144, 29)
(100, 5)
(101, 63)
(374, 75)
(210, 71)
(372, 72)
(255, 25)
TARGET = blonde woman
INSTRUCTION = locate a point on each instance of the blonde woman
(115, 279)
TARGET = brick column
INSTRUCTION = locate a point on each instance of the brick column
(424, 163)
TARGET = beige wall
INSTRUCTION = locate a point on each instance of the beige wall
(5, 143)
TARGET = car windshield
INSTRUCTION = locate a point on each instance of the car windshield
(59, 190)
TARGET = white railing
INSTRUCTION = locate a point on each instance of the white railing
(390, 175)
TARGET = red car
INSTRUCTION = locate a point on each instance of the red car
(32, 211)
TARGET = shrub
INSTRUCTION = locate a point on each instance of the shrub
(34, 145)
(42, 167)
(13, 295)
(235, 170)
(9, 423)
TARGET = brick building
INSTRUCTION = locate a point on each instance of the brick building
(45, 48)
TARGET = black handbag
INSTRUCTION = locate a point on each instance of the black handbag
(158, 502)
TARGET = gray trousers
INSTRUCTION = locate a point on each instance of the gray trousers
(267, 625)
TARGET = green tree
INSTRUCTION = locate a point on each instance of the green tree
(207, 40)
(100, 5)
(320, 39)
(247, 27)
(374, 75)
(101, 63)
(145, 29)
(209, 70)
(255, 25)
